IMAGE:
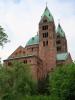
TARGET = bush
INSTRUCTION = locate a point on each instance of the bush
(16, 81)
(62, 82)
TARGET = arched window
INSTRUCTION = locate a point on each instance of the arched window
(25, 61)
(58, 36)
(44, 43)
(58, 42)
(45, 20)
(59, 49)
(45, 27)
(45, 35)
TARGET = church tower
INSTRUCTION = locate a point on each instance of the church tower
(47, 40)
(61, 42)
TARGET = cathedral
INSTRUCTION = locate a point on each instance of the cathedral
(44, 51)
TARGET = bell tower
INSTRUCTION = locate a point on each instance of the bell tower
(61, 40)
(47, 40)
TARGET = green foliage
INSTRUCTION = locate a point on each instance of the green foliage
(38, 97)
(3, 37)
(43, 86)
(16, 82)
(62, 82)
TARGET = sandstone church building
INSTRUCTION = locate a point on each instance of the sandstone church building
(44, 51)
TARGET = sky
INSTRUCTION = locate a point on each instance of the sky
(20, 19)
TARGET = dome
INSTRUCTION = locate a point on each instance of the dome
(33, 41)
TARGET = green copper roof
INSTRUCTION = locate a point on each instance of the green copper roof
(47, 14)
(33, 40)
(62, 56)
(60, 31)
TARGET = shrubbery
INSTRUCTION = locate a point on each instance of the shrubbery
(62, 82)
(16, 83)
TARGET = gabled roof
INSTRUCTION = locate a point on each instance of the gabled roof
(47, 14)
(19, 48)
(62, 56)
(60, 31)
(33, 41)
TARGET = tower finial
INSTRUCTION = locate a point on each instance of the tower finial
(58, 21)
(46, 4)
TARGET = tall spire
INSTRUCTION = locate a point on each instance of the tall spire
(47, 14)
(60, 30)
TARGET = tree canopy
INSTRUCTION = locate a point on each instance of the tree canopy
(16, 82)
(3, 37)
(62, 82)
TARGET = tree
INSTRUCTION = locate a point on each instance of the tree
(62, 82)
(3, 37)
(16, 82)
(43, 86)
